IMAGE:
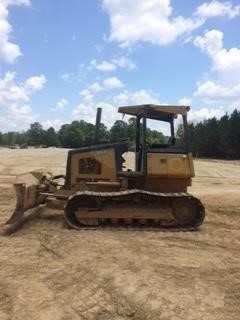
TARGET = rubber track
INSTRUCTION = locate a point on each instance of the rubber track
(72, 206)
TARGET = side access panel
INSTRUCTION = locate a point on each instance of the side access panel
(170, 165)
(99, 164)
(94, 163)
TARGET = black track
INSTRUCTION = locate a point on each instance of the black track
(100, 200)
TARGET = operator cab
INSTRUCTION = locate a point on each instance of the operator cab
(162, 114)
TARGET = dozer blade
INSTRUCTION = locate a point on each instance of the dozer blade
(29, 190)
(20, 189)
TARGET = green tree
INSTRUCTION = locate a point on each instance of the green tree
(87, 129)
(131, 133)
(180, 135)
(234, 134)
(36, 134)
(71, 135)
(51, 138)
(9, 138)
(104, 134)
(213, 138)
(132, 124)
(119, 130)
(224, 140)
(154, 137)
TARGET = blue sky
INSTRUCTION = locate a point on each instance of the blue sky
(60, 60)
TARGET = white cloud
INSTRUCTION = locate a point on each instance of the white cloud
(55, 123)
(228, 61)
(124, 62)
(211, 42)
(86, 95)
(213, 92)
(151, 21)
(129, 98)
(9, 51)
(205, 113)
(225, 62)
(62, 103)
(185, 101)
(16, 117)
(154, 21)
(84, 92)
(95, 87)
(218, 9)
(114, 63)
(136, 97)
(19, 112)
(66, 76)
(14, 100)
(224, 84)
(10, 92)
(102, 66)
(107, 84)
(112, 83)
(88, 112)
(85, 112)
(35, 83)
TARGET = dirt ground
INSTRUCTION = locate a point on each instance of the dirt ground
(50, 272)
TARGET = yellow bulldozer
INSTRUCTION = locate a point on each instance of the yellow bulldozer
(98, 190)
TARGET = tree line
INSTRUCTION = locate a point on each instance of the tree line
(212, 138)
(215, 138)
(76, 134)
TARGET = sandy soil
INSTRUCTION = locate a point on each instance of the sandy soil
(50, 272)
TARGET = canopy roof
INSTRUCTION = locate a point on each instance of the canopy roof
(161, 112)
